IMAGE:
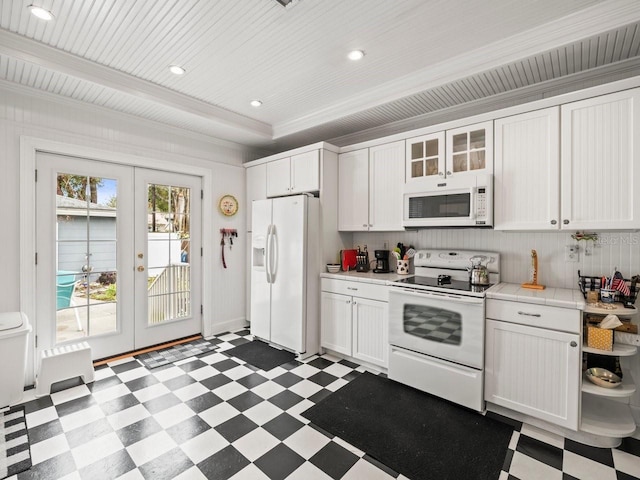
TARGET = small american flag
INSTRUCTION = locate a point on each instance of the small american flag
(620, 285)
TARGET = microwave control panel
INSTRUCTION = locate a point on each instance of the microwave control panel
(481, 205)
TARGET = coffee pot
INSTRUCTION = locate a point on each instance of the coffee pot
(478, 273)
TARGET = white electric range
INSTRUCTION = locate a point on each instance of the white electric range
(436, 326)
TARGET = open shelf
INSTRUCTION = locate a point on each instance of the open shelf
(626, 388)
(619, 350)
(619, 310)
(608, 418)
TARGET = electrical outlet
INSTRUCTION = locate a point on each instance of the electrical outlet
(571, 253)
(386, 245)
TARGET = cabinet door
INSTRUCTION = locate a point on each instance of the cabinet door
(279, 177)
(371, 331)
(527, 171)
(335, 323)
(600, 158)
(424, 159)
(305, 172)
(256, 188)
(386, 179)
(469, 149)
(533, 371)
(353, 191)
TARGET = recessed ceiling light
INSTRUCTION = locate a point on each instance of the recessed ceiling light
(256, 103)
(356, 55)
(40, 12)
(177, 69)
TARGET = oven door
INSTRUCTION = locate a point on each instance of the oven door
(442, 325)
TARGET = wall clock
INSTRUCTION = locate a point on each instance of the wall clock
(228, 205)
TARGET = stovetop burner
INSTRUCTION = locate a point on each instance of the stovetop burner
(442, 283)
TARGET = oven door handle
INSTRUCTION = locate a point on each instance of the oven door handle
(438, 296)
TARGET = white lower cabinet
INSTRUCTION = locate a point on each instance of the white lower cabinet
(533, 370)
(353, 325)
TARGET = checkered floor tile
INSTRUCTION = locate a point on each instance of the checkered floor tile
(215, 417)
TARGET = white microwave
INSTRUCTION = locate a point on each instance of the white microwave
(455, 202)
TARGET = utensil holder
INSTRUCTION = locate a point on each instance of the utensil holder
(607, 295)
(402, 267)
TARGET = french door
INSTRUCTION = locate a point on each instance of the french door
(118, 255)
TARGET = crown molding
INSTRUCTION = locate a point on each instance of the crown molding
(224, 123)
(600, 18)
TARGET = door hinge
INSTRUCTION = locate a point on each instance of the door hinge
(36, 341)
(36, 175)
(36, 258)
(201, 194)
(201, 251)
(201, 310)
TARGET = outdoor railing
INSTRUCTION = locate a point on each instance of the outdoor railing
(169, 294)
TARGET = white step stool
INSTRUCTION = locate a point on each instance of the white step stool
(63, 363)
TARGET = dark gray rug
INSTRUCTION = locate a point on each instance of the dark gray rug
(165, 356)
(414, 433)
(15, 454)
(261, 355)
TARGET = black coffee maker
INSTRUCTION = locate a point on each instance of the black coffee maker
(382, 261)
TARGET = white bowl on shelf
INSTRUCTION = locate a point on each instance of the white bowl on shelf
(333, 267)
(603, 378)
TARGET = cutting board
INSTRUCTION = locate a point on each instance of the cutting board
(348, 259)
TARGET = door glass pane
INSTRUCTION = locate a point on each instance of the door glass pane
(476, 160)
(433, 324)
(460, 162)
(432, 166)
(432, 148)
(417, 150)
(86, 261)
(477, 139)
(416, 169)
(460, 142)
(168, 253)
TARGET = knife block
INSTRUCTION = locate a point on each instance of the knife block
(362, 262)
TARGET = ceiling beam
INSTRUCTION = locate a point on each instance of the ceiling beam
(31, 51)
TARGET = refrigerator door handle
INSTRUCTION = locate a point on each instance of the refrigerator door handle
(274, 254)
(267, 255)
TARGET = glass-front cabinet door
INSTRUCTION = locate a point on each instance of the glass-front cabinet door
(470, 149)
(425, 158)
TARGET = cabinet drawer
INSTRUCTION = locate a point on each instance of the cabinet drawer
(542, 316)
(356, 289)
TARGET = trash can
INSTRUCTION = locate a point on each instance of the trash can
(14, 332)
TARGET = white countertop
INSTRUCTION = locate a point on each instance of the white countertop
(555, 297)
(365, 277)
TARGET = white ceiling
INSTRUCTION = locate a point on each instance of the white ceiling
(423, 57)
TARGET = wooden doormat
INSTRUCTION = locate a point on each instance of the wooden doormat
(15, 454)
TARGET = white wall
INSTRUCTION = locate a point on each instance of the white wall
(24, 112)
(621, 249)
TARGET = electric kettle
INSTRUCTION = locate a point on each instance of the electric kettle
(478, 273)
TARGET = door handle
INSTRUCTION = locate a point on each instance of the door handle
(140, 268)
(529, 314)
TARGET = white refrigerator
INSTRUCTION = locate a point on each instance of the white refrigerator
(285, 269)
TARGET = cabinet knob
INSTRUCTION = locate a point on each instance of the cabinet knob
(553, 222)
(348, 301)
(441, 174)
(371, 224)
(448, 172)
(574, 344)
(355, 303)
(365, 225)
(565, 221)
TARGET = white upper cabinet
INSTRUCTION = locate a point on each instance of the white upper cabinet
(386, 177)
(425, 158)
(469, 149)
(600, 162)
(432, 158)
(353, 190)
(296, 174)
(370, 188)
(256, 188)
(527, 170)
